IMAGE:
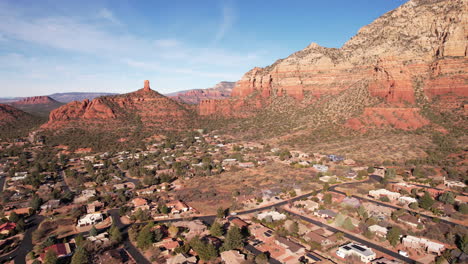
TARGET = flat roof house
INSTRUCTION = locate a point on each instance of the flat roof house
(90, 219)
(232, 257)
(364, 253)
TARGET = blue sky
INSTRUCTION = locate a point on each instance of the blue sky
(53, 46)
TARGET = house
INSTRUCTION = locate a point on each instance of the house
(320, 168)
(168, 244)
(337, 197)
(351, 202)
(410, 220)
(61, 250)
(423, 244)
(290, 245)
(407, 200)
(318, 238)
(92, 207)
(178, 207)
(238, 222)
(376, 194)
(125, 185)
(229, 162)
(90, 219)
(378, 230)
(116, 256)
(378, 211)
(85, 196)
(25, 211)
(7, 228)
(335, 158)
(182, 258)
(275, 216)
(232, 257)
(364, 253)
(246, 164)
(399, 186)
(139, 202)
(454, 184)
(327, 214)
(308, 204)
(100, 239)
(49, 205)
(195, 227)
(147, 191)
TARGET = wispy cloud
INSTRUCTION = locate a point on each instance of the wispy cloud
(155, 66)
(228, 18)
(106, 14)
(167, 43)
(107, 51)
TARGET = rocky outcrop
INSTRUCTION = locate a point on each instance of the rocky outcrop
(387, 117)
(145, 107)
(416, 51)
(221, 90)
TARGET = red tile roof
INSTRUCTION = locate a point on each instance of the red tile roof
(7, 226)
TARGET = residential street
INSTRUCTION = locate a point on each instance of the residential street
(355, 238)
(26, 245)
(373, 178)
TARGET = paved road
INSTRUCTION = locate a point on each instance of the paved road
(26, 245)
(256, 252)
(373, 178)
(136, 254)
(357, 239)
(19, 255)
(2, 183)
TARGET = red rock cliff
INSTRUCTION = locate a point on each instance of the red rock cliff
(222, 90)
(418, 49)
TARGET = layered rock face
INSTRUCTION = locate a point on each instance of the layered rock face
(417, 51)
(144, 107)
(221, 90)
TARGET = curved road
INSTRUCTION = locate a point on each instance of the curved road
(26, 245)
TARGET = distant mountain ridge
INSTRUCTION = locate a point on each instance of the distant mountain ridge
(60, 97)
(221, 90)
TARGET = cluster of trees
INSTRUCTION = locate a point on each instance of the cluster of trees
(145, 236)
(84, 249)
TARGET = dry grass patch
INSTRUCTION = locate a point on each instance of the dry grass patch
(209, 193)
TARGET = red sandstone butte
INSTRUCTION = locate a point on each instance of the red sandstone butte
(148, 106)
(35, 100)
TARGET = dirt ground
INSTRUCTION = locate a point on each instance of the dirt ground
(208, 194)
